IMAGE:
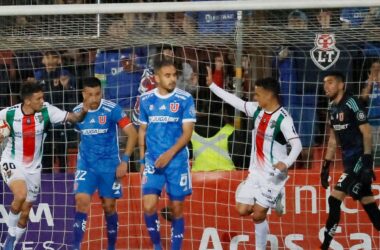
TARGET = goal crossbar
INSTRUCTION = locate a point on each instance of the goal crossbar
(76, 9)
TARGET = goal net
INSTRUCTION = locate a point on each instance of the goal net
(296, 42)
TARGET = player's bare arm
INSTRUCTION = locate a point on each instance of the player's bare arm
(331, 146)
(73, 117)
(166, 157)
(365, 129)
(131, 133)
(141, 142)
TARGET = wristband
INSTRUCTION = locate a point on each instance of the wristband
(125, 158)
(142, 161)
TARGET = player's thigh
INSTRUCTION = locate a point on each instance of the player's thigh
(86, 181)
(21, 182)
(109, 186)
(178, 180)
(153, 179)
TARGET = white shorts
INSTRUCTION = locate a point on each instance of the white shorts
(257, 189)
(11, 172)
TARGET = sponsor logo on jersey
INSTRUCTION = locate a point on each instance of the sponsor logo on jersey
(94, 131)
(163, 107)
(163, 119)
(92, 120)
(325, 54)
(272, 124)
(174, 107)
(338, 127)
(151, 107)
(102, 119)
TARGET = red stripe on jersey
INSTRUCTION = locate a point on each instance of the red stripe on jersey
(124, 122)
(260, 137)
(28, 137)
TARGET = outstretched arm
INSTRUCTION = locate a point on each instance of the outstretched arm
(231, 99)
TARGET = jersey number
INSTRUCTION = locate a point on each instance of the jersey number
(79, 175)
(7, 166)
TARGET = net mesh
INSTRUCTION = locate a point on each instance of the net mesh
(296, 47)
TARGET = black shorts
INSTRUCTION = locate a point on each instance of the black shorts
(349, 178)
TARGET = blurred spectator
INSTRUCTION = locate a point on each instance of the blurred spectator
(216, 145)
(297, 20)
(120, 72)
(59, 90)
(324, 19)
(205, 22)
(371, 96)
(353, 17)
(9, 88)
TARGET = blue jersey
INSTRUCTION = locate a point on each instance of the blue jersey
(164, 116)
(99, 134)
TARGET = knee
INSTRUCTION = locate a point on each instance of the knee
(109, 208)
(258, 217)
(244, 210)
(150, 208)
(82, 204)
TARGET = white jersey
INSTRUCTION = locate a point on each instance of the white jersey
(271, 133)
(25, 144)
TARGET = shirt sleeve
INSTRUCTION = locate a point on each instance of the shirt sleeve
(248, 108)
(120, 117)
(291, 136)
(359, 111)
(189, 111)
(56, 115)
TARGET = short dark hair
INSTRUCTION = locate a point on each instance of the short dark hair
(91, 82)
(28, 89)
(51, 53)
(160, 62)
(337, 75)
(269, 84)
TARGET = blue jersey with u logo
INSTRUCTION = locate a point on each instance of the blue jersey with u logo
(99, 135)
(164, 116)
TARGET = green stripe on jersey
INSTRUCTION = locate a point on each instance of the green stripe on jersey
(10, 118)
(277, 130)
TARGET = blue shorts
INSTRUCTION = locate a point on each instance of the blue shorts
(88, 180)
(176, 177)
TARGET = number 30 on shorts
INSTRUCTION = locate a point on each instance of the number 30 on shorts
(8, 166)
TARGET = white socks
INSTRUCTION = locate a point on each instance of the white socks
(261, 232)
(12, 223)
(19, 233)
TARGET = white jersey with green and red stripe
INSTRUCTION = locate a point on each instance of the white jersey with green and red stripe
(25, 143)
(270, 136)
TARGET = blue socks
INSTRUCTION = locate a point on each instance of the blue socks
(178, 228)
(79, 228)
(112, 226)
(153, 225)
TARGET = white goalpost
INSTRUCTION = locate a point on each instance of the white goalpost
(294, 41)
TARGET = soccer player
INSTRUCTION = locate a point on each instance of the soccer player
(167, 117)
(99, 165)
(21, 159)
(349, 126)
(273, 130)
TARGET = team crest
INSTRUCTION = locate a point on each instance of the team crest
(174, 106)
(102, 119)
(272, 124)
(341, 116)
(324, 54)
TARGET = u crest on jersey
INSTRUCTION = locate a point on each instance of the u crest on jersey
(102, 119)
(174, 107)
